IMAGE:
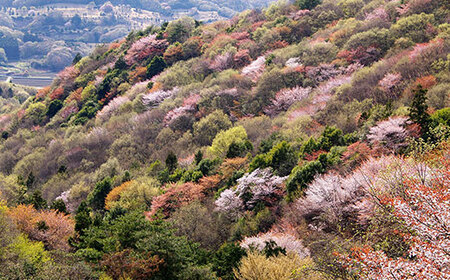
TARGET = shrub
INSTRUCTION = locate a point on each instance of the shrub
(173, 53)
(281, 267)
(54, 107)
(206, 129)
(307, 4)
(438, 97)
(281, 158)
(224, 139)
(414, 27)
(176, 196)
(180, 30)
(36, 112)
(302, 175)
(260, 186)
(378, 38)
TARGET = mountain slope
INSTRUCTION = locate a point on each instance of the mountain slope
(231, 126)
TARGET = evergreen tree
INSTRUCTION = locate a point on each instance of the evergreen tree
(171, 161)
(418, 111)
(156, 66)
(82, 218)
(96, 199)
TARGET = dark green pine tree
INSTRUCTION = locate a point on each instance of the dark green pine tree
(171, 162)
(156, 66)
(96, 199)
(418, 111)
(82, 218)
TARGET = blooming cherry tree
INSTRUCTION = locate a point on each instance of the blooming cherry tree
(259, 186)
(153, 99)
(425, 210)
(145, 48)
(390, 133)
(255, 69)
(286, 241)
(286, 97)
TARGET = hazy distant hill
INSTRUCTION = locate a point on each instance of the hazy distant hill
(48, 34)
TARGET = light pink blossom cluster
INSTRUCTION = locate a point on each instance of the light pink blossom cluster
(259, 186)
(98, 80)
(424, 207)
(145, 48)
(323, 72)
(390, 82)
(331, 197)
(4, 121)
(68, 110)
(98, 137)
(326, 199)
(299, 14)
(255, 69)
(421, 49)
(229, 203)
(68, 73)
(328, 86)
(230, 91)
(221, 62)
(188, 107)
(390, 133)
(377, 14)
(153, 99)
(111, 108)
(286, 241)
(286, 97)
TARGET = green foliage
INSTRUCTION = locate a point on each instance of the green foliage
(376, 37)
(59, 206)
(171, 162)
(351, 7)
(37, 200)
(307, 4)
(226, 259)
(82, 218)
(54, 107)
(96, 199)
(198, 157)
(206, 166)
(87, 112)
(224, 139)
(31, 252)
(414, 27)
(156, 66)
(206, 129)
(281, 158)
(330, 137)
(239, 149)
(418, 111)
(36, 112)
(77, 58)
(441, 117)
(304, 174)
(180, 30)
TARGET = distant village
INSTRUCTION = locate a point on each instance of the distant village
(133, 17)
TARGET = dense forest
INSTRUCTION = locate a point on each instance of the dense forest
(307, 140)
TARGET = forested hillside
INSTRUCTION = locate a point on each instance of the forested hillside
(308, 140)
